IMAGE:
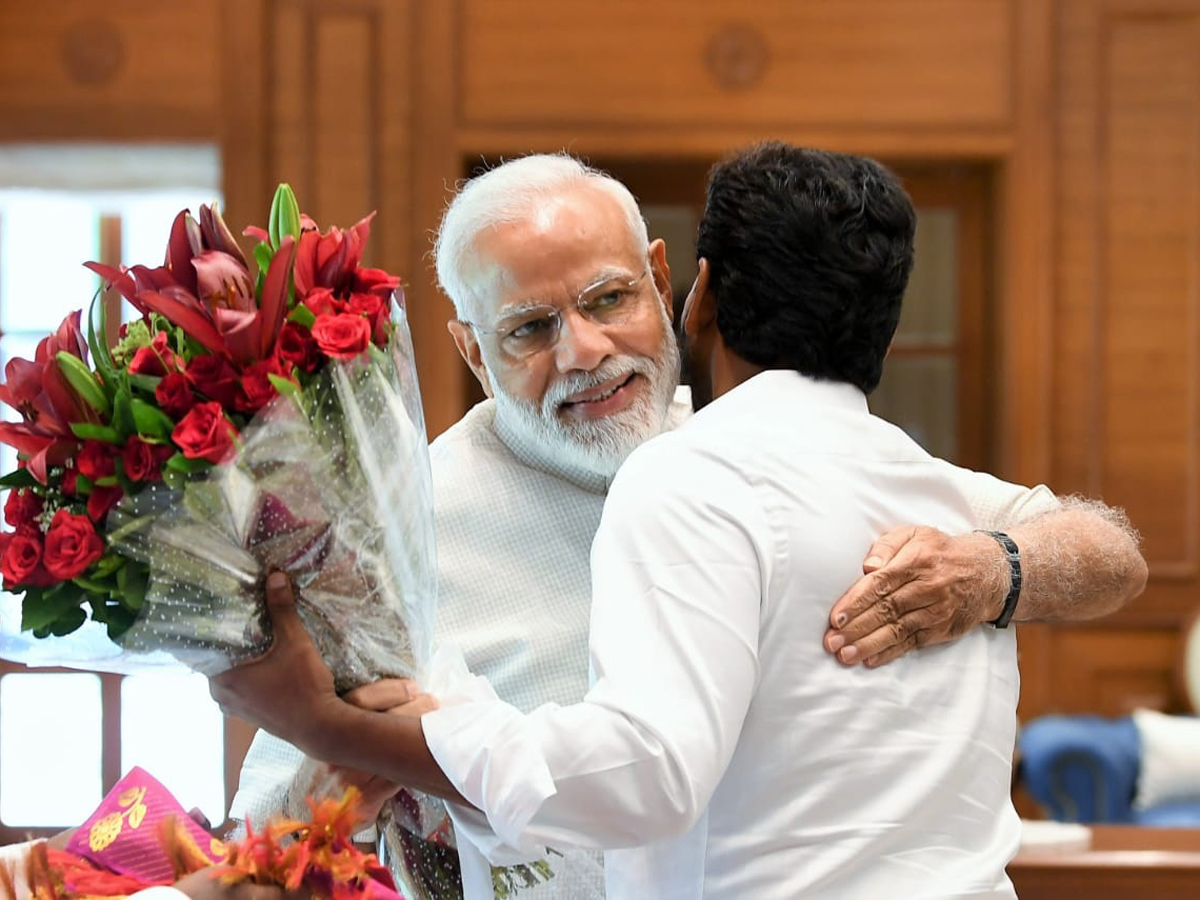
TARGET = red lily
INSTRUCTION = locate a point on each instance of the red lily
(48, 404)
(331, 260)
(206, 289)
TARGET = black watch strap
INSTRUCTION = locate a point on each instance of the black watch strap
(1014, 585)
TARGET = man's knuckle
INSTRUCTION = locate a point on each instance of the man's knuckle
(888, 609)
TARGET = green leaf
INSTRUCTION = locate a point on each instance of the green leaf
(143, 382)
(285, 387)
(302, 315)
(91, 585)
(85, 383)
(122, 418)
(132, 582)
(18, 478)
(174, 478)
(117, 620)
(97, 338)
(38, 612)
(151, 421)
(86, 431)
(284, 220)
(68, 621)
(106, 565)
(262, 256)
(187, 465)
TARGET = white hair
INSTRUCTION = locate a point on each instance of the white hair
(514, 190)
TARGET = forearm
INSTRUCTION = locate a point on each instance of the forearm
(391, 747)
(586, 775)
(1079, 562)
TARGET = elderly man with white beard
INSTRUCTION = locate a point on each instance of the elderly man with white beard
(562, 306)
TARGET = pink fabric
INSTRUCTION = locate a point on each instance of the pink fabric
(123, 834)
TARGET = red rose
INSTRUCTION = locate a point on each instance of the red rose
(22, 555)
(215, 378)
(375, 281)
(205, 433)
(257, 390)
(69, 482)
(21, 506)
(373, 307)
(296, 347)
(101, 500)
(342, 336)
(174, 395)
(156, 359)
(95, 460)
(143, 461)
(71, 545)
(321, 302)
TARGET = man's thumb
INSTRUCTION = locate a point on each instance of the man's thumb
(886, 547)
(281, 603)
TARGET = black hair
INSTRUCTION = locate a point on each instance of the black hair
(809, 255)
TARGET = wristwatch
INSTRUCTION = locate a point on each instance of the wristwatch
(1014, 585)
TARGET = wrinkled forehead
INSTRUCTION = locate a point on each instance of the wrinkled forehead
(566, 244)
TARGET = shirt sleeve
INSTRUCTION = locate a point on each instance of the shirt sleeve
(998, 505)
(678, 568)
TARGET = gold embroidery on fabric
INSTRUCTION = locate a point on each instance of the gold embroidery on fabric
(107, 829)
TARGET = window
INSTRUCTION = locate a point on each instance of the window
(67, 737)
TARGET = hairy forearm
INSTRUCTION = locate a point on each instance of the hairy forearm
(1079, 562)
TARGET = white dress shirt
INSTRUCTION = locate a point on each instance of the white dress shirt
(720, 745)
(514, 530)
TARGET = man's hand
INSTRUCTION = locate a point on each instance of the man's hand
(920, 587)
(396, 697)
(288, 690)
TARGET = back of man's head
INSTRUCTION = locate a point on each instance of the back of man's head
(809, 255)
(510, 192)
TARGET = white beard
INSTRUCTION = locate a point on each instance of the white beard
(597, 445)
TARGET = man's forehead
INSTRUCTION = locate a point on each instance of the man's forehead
(565, 248)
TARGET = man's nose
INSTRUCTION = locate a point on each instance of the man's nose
(582, 344)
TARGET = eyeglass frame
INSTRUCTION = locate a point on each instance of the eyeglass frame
(555, 313)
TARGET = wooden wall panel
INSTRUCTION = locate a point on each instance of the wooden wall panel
(133, 69)
(1127, 397)
(338, 99)
(1147, 310)
(1126, 386)
(774, 62)
(1112, 673)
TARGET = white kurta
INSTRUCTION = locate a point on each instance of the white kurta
(514, 533)
(720, 741)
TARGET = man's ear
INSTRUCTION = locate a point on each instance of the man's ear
(468, 349)
(661, 273)
(700, 308)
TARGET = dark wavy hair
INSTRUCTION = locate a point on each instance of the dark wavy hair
(809, 255)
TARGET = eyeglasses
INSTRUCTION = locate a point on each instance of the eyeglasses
(534, 328)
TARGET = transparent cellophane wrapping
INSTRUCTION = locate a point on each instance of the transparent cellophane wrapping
(331, 485)
(420, 848)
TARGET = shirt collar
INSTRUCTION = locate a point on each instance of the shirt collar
(773, 386)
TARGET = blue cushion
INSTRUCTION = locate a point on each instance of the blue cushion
(1171, 815)
(1082, 768)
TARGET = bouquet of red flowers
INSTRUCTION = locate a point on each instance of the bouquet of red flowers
(244, 422)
